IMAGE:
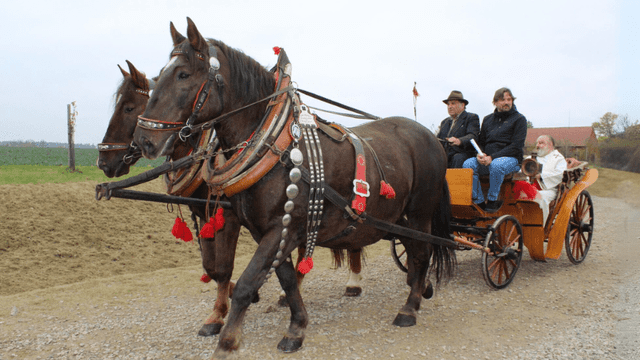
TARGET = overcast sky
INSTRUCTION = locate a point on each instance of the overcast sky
(567, 62)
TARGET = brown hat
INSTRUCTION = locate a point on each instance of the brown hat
(455, 95)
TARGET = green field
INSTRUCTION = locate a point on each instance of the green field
(10, 155)
(33, 165)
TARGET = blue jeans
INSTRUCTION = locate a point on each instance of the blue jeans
(497, 170)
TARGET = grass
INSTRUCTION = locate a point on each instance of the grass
(33, 165)
(56, 157)
(41, 174)
(616, 184)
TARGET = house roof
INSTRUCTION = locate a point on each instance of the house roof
(576, 136)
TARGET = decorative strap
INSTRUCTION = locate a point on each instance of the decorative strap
(315, 210)
(360, 184)
(112, 146)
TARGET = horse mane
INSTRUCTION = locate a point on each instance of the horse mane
(249, 80)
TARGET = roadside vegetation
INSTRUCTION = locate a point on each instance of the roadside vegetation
(35, 165)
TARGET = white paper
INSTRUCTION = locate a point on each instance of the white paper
(473, 142)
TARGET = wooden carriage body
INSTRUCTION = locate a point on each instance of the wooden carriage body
(467, 215)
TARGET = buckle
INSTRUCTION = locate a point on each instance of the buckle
(364, 184)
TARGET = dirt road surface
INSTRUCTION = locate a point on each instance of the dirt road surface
(83, 279)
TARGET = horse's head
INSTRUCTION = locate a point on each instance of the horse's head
(202, 80)
(191, 83)
(117, 151)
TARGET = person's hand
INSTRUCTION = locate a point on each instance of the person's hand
(484, 159)
(454, 141)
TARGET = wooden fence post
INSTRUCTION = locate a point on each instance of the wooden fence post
(71, 124)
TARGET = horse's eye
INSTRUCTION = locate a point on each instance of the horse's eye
(183, 75)
(128, 110)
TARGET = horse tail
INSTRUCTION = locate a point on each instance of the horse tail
(443, 257)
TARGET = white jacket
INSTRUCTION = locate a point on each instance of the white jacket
(553, 167)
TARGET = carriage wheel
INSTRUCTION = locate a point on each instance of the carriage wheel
(580, 229)
(504, 240)
(399, 254)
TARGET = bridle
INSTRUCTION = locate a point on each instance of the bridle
(133, 151)
(185, 130)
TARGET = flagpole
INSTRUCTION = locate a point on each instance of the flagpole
(415, 100)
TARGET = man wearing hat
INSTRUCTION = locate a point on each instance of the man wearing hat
(458, 129)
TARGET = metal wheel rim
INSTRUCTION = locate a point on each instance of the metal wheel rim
(499, 269)
(580, 229)
(399, 254)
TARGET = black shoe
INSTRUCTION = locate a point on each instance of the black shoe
(493, 206)
(482, 205)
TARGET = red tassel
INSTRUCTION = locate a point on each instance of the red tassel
(177, 230)
(276, 50)
(529, 190)
(218, 220)
(305, 265)
(186, 234)
(207, 230)
(386, 190)
(214, 224)
(205, 278)
(181, 231)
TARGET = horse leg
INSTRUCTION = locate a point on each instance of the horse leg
(418, 265)
(355, 267)
(292, 340)
(218, 255)
(282, 301)
(254, 275)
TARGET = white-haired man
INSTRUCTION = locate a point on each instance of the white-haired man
(553, 167)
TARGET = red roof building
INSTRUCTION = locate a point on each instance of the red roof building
(580, 142)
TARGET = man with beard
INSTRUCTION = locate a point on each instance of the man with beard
(502, 137)
(458, 130)
(553, 167)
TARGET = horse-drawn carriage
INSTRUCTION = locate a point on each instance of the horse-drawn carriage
(519, 222)
(263, 132)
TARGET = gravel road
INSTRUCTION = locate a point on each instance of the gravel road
(552, 310)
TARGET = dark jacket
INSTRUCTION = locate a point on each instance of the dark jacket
(466, 128)
(503, 134)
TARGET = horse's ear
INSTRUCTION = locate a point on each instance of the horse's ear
(196, 40)
(124, 73)
(175, 35)
(139, 79)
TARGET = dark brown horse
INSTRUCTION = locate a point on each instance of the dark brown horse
(118, 153)
(412, 158)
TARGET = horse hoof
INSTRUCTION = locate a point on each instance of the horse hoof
(210, 329)
(289, 345)
(403, 320)
(353, 291)
(282, 302)
(428, 292)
